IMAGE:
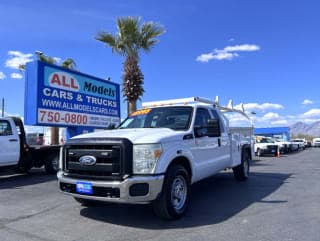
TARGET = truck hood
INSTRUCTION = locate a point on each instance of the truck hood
(138, 135)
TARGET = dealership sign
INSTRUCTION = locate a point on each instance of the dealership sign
(56, 96)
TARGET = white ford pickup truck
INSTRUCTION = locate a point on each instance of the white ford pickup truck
(156, 154)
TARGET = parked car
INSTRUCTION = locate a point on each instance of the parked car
(285, 146)
(309, 144)
(300, 142)
(265, 146)
(316, 142)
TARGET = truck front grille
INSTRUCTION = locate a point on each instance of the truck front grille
(272, 147)
(113, 159)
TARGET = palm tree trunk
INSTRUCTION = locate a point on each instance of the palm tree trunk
(131, 107)
(54, 135)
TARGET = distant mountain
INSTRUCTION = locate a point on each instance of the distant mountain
(306, 129)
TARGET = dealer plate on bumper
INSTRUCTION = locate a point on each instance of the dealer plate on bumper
(84, 188)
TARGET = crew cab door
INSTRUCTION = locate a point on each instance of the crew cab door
(208, 152)
(9, 143)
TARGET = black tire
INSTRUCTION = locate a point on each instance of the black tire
(87, 202)
(52, 163)
(241, 172)
(25, 163)
(175, 195)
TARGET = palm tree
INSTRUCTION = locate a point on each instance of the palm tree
(132, 37)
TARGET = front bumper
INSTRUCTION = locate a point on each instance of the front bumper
(123, 189)
(268, 151)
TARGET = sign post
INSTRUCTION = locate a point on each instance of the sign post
(56, 96)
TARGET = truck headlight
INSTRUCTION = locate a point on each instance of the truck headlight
(145, 157)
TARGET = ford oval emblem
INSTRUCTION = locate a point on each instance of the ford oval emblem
(87, 160)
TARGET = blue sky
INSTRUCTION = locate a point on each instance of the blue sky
(261, 53)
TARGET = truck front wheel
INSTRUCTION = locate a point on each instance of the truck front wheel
(174, 199)
(52, 164)
(241, 172)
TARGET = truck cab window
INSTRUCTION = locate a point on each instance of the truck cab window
(216, 116)
(5, 128)
(202, 117)
(201, 122)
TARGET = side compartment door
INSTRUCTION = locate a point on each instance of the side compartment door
(9, 144)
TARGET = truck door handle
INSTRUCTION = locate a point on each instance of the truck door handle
(13, 140)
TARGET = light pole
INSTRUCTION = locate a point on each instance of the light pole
(2, 107)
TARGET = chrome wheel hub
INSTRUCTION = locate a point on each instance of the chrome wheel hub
(178, 192)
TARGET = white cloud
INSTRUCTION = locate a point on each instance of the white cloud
(16, 76)
(279, 122)
(242, 48)
(2, 75)
(270, 119)
(57, 59)
(313, 113)
(17, 58)
(307, 102)
(271, 116)
(227, 53)
(217, 55)
(259, 107)
(274, 119)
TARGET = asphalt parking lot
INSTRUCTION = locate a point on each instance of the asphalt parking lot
(280, 202)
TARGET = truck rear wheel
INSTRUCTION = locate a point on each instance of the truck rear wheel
(174, 199)
(52, 163)
(241, 172)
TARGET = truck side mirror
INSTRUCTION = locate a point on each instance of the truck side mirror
(213, 129)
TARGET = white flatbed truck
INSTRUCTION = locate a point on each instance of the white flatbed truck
(17, 153)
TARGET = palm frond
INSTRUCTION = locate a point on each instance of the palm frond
(69, 63)
(149, 32)
(46, 59)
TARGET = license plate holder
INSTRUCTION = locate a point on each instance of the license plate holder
(84, 188)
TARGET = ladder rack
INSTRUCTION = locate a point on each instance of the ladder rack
(192, 100)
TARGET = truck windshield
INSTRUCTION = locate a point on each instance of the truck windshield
(265, 140)
(175, 118)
